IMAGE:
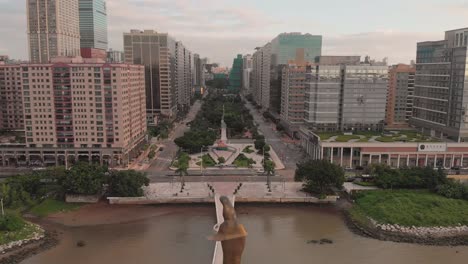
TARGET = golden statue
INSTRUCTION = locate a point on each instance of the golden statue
(231, 234)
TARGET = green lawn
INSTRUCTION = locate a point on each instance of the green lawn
(410, 208)
(207, 161)
(243, 162)
(385, 139)
(248, 150)
(50, 206)
(26, 232)
(365, 184)
(346, 138)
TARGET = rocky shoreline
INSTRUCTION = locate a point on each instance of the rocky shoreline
(431, 236)
(18, 251)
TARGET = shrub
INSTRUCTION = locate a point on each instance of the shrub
(453, 190)
(221, 160)
(11, 222)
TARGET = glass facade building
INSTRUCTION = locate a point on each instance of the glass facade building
(235, 76)
(441, 87)
(93, 24)
(346, 97)
(157, 52)
(284, 47)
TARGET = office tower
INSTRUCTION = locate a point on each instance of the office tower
(246, 73)
(282, 49)
(53, 29)
(199, 73)
(440, 91)
(400, 95)
(293, 85)
(346, 95)
(157, 52)
(235, 75)
(81, 108)
(115, 56)
(11, 99)
(183, 75)
(93, 24)
(261, 61)
(286, 47)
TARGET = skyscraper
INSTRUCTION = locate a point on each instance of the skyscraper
(157, 52)
(199, 73)
(261, 76)
(346, 95)
(282, 49)
(235, 75)
(53, 29)
(246, 73)
(400, 95)
(183, 76)
(93, 24)
(440, 106)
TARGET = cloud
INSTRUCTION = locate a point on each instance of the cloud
(220, 29)
(399, 47)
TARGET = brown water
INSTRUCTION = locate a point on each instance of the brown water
(277, 235)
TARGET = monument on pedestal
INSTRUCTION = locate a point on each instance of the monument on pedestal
(222, 143)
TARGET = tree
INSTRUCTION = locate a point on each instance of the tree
(221, 160)
(151, 154)
(127, 183)
(319, 176)
(269, 167)
(86, 179)
(259, 143)
(183, 165)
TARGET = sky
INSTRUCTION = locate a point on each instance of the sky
(220, 29)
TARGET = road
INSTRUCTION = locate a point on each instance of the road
(289, 153)
(160, 165)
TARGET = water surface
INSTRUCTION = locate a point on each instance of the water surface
(277, 235)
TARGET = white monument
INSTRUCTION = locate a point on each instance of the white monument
(223, 130)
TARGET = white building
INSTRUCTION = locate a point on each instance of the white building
(53, 29)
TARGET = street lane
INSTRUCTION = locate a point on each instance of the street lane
(289, 153)
(165, 157)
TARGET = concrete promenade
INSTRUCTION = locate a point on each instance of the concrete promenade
(204, 192)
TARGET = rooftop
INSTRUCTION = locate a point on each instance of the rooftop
(376, 137)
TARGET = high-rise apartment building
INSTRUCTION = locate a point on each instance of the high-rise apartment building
(261, 62)
(199, 73)
(282, 49)
(157, 52)
(11, 102)
(115, 56)
(346, 95)
(293, 85)
(75, 109)
(440, 106)
(400, 95)
(246, 73)
(183, 77)
(53, 29)
(93, 24)
(235, 75)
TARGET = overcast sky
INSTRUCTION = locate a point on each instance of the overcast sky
(220, 29)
